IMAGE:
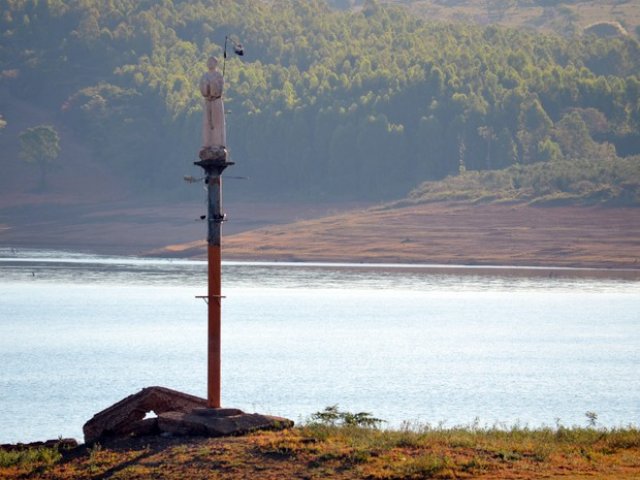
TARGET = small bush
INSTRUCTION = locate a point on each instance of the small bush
(331, 416)
(282, 444)
(35, 457)
(426, 466)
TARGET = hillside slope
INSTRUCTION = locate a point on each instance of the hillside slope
(321, 101)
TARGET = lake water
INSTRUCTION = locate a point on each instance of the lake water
(78, 333)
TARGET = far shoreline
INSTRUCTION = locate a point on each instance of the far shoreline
(475, 238)
(460, 269)
(536, 271)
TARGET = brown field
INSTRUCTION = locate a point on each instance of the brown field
(448, 233)
(432, 233)
(316, 452)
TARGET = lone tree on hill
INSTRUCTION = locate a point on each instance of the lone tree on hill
(40, 146)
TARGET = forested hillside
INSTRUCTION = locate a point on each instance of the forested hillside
(365, 103)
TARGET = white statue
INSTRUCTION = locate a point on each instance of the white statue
(213, 126)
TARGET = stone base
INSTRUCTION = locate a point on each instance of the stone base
(177, 414)
(127, 416)
(218, 422)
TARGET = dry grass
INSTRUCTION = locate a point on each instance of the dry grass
(451, 233)
(320, 451)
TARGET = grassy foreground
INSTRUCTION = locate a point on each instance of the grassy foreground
(349, 452)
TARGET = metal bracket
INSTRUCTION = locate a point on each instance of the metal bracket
(214, 167)
(206, 297)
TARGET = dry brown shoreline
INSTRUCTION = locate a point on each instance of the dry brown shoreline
(595, 239)
(474, 239)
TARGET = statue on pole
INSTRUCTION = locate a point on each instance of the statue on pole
(179, 413)
(214, 135)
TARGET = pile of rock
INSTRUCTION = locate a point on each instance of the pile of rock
(177, 414)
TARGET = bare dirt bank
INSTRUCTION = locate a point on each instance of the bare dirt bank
(448, 233)
(120, 225)
(434, 233)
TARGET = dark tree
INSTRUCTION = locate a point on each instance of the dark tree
(40, 147)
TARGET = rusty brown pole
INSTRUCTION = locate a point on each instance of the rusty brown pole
(213, 168)
(214, 364)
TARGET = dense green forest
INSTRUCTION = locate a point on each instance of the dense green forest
(365, 103)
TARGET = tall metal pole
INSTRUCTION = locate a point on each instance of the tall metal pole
(213, 168)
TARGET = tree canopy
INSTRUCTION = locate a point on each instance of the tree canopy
(361, 104)
(40, 146)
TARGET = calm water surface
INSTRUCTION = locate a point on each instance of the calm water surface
(78, 333)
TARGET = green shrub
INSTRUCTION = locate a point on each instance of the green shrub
(35, 457)
(333, 417)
